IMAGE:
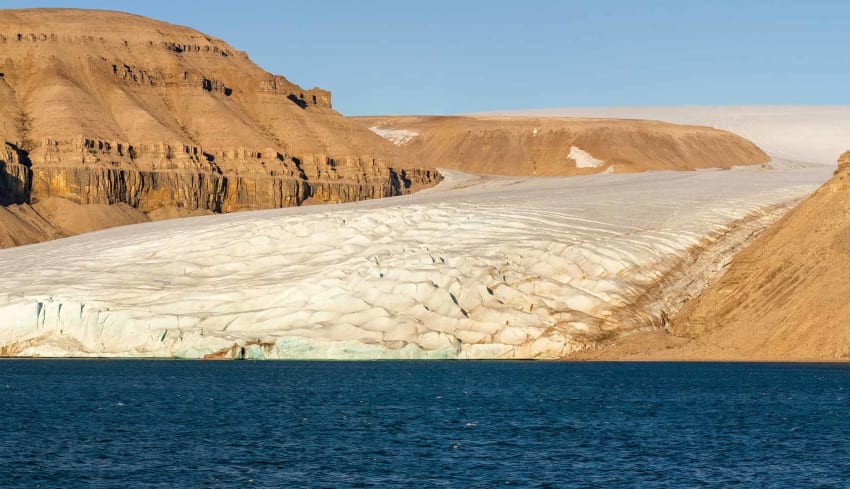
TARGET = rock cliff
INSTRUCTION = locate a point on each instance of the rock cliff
(562, 146)
(104, 108)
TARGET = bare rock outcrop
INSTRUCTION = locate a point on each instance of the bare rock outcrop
(841, 180)
(105, 108)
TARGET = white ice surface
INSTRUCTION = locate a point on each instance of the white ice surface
(478, 267)
(395, 136)
(583, 159)
(811, 134)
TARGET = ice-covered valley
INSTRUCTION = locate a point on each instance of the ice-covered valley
(477, 267)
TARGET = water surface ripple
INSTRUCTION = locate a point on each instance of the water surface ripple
(94, 423)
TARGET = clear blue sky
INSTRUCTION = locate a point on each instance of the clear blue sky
(443, 57)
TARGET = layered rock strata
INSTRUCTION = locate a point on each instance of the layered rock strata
(182, 176)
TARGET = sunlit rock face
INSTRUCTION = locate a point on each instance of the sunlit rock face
(495, 267)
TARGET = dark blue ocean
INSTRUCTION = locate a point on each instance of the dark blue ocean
(100, 423)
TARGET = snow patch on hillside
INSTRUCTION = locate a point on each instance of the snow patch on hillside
(583, 159)
(396, 136)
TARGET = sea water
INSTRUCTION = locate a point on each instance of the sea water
(115, 423)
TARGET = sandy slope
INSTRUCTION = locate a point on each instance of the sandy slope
(785, 297)
(54, 218)
(476, 268)
(20, 225)
(561, 146)
(816, 134)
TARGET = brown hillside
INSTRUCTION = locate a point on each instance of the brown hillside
(104, 108)
(541, 146)
(785, 297)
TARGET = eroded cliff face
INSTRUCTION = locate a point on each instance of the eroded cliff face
(107, 108)
(182, 176)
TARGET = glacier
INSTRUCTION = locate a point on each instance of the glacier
(477, 267)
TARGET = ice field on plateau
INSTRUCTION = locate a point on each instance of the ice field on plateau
(477, 267)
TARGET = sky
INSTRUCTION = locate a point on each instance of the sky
(450, 57)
